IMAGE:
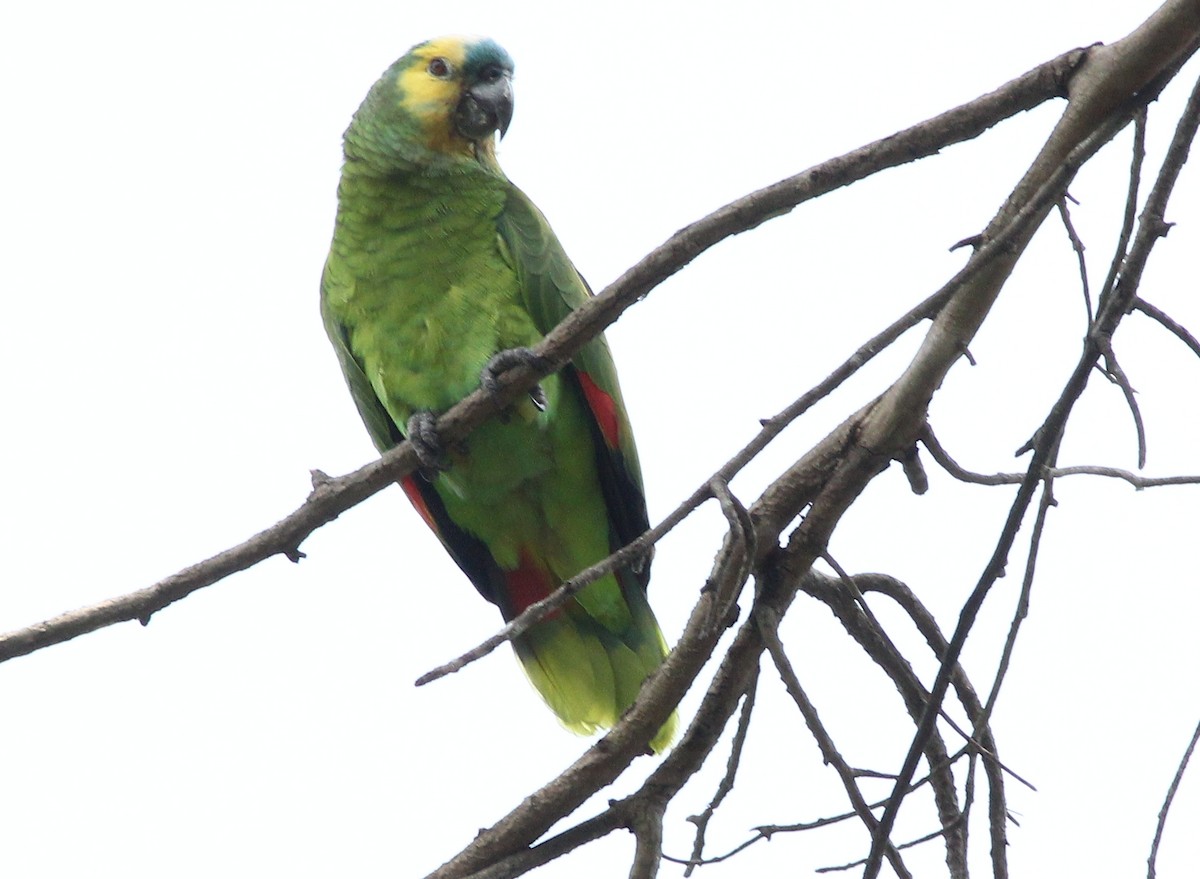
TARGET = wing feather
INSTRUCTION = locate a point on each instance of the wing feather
(552, 288)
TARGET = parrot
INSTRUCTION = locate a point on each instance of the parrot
(440, 275)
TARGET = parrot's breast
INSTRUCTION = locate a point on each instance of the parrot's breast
(431, 298)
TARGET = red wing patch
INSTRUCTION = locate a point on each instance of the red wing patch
(604, 408)
(409, 484)
(528, 584)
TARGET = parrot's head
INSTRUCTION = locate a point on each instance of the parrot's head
(446, 98)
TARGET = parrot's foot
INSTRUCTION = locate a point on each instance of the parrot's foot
(422, 433)
(505, 361)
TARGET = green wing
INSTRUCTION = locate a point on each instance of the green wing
(383, 430)
(552, 288)
(468, 551)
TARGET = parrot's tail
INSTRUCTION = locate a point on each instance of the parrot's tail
(589, 673)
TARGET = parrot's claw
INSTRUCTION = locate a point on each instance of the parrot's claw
(422, 433)
(505, 361)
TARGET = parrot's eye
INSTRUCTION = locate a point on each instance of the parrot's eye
(491, 73)
(439, 67)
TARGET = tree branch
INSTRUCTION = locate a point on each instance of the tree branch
(1166, 806)
(1124, 68)
(333, 496)
(726, 784)
(768, 625)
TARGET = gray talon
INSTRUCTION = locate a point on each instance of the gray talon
(506, 360)
(422, 433)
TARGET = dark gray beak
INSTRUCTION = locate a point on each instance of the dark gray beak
(486, 107)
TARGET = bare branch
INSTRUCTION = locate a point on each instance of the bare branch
(1130, 215)
(1114, 372)
(1077, 246)
(1170, 324)
(613, 818)
(912, 843)
(744, 547)
(768, 625)
(1174, 29)
(648, 831)
(1166, 806)
(981, 741)
(766, 831)
(726, 785)
(947, 463)
(850, 609)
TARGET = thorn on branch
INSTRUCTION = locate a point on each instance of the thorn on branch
(294, 555)
(974, 242)
(1160, 228)
(966, 352)
(1030, 444)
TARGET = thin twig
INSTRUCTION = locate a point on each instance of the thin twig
(726, 785)
(1168, 322)
(1112, 369)
(1150, 229)
(613, 818)
(1077, 246)
(981, 742)
(768, 627)
(848, 609)
(766, 831)
(1166, 806)
(533, 614)
(912, 843)
(947, 463)
(1129, 216)
(1022, 610)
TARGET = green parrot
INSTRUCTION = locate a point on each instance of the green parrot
(442, 271)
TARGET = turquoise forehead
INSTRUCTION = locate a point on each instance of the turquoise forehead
(486, 52)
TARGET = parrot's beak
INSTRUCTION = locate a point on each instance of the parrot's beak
(486, 107)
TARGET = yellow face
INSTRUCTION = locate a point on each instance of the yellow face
(431, 88)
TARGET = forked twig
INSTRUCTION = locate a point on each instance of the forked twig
(726, 784)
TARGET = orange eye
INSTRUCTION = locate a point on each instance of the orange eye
(439, 67)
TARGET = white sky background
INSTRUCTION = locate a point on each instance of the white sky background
(167, 179)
